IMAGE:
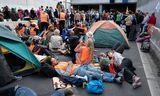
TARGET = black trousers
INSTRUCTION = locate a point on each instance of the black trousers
(128, 29)
(128, 70)
(61, 26)
(44, 26)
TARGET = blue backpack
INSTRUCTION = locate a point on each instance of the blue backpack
(95, 87)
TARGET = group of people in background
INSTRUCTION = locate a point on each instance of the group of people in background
(67, 33)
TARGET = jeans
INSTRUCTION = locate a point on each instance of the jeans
(24, 91)
(93, 72)
(58, 93)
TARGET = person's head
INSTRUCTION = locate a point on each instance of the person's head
(56, 32)
(153, 14)
(51, 28)
(109, 54)
(54, 61)
(89, 34)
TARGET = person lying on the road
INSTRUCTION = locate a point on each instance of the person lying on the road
(125, 64)
(70, 69)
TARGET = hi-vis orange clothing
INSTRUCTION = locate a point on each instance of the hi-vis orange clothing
(84, 57)
(44, 17)
(32, 31)
(31, 47)
(66, 67)
(85, 29)
(62, 16)
(21, 31)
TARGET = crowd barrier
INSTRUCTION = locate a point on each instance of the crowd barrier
(155, 44)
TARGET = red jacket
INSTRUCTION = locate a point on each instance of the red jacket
(152, 20)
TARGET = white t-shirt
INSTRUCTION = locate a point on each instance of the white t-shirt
(118, 57)
(40, 57)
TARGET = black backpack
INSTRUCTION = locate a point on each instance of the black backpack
(145, 46)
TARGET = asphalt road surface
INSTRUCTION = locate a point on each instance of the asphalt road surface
(43, 86)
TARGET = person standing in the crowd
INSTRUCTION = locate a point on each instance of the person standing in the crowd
(62, 17)
(118, 18)
(144, 22)
(51, 14)
(14, 15)
(133, 32)
(139, 17)
(44, 21)
(6, 13)
(26, 13)
(128, 23)
(20, 13)
(87, 17)
(152, 20)
(77, 17)
(47, 10)
(39, 12)
(67, 18)
(32, 13)
(71, 18)
(97, 16)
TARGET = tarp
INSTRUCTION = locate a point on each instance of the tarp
(108, 33)
(13, 44)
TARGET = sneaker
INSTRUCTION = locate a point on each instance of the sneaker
(85, 78)
(119, 80)
(136, 85)
(18, 78)
(136, 79)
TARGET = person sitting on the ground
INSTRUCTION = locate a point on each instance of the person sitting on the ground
(78, 30)
(70, 69)
(72, 41)
(49, 32)
(108, 65)
(21, 30)
(84, 55)
(125, 64)
(33, 30)
(56, 41)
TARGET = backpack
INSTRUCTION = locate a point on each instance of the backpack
(95, 87)
(145, 46)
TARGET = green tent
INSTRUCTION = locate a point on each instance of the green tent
(14, 45)
(107, 34)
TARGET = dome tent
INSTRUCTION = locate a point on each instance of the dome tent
(13, 44)
(108, 33)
